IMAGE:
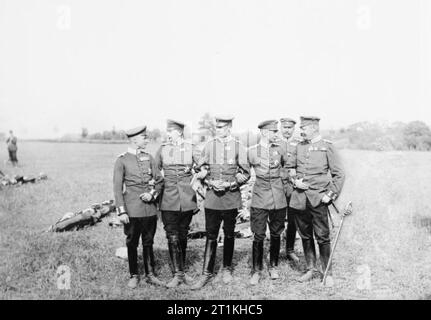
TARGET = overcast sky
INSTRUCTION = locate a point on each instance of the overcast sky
(102, 63)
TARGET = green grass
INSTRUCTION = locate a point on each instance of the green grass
(388, 233)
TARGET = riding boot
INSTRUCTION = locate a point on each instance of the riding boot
(176, 259)
(290, 239)
(274, 252)
(325, 252)
(183, 245)
(149, 266)
(228, 247)
(209, 264)
(257, 257)
(310, 259)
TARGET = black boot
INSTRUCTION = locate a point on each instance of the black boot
(325, 253)
(149, 266)
(209, 264)
(132, 258)
(257, 256)
(274, 252)
(310, 260)
(228, 247)
(183, 246)
(176, 259)
(290, 239)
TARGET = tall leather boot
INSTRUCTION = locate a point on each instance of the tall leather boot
(228, 247)
(209, 264)
(183, 245)
(149, 266)
(290, 239)
(310, 259)
(176, 259)
(257, 257)
(132, 257)
(274, 252)
(325, 253)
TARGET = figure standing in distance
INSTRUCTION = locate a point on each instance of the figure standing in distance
(314, 189)
(223, 167)
(12, 148)
(137, 184)
(178, 202)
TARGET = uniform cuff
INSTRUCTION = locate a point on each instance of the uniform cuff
(121, 210)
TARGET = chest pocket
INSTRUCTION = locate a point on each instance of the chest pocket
(274, 159)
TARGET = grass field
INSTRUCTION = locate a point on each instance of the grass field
(384, 250)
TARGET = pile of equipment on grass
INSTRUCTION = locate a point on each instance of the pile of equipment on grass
(7, 180)
(75, 221)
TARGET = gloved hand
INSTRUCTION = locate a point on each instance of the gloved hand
(146, 197)
(124, 218)
(218, 185)
(241, 178)
(326, 199)
(202, 174)
(299, 184)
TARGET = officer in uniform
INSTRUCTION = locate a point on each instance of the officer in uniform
(289, 143)
(223, 167)
(178, 201)
(268, 202)
(313, 191)
(137, 184)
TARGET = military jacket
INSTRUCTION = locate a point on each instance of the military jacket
(177, 162)
(268, 162)
(318, 163)
(224, 159)
(133, 175)
(289, 149)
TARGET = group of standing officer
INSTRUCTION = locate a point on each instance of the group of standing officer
(292, 178)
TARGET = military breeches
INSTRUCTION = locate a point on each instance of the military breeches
(144, 227)
(313, 219)
(213, 219)
(260, 217)
(177, 223)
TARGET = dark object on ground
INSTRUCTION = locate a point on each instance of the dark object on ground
(87, 217)
(6, 180)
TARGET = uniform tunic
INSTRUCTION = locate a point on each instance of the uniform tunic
(225, 158)
(177, 162)
(314, 160)
(133, 176)
(289, 148)
(268, 162)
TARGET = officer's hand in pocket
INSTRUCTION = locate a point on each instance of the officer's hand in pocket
(124, 218)
(326, 199)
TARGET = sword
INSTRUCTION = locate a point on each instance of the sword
(347, 211)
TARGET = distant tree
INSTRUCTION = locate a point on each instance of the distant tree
(207, 123)
(155, 134)
(107, 135)
(417, 136)
(84, 133)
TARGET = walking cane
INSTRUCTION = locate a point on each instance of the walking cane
(348, 210)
